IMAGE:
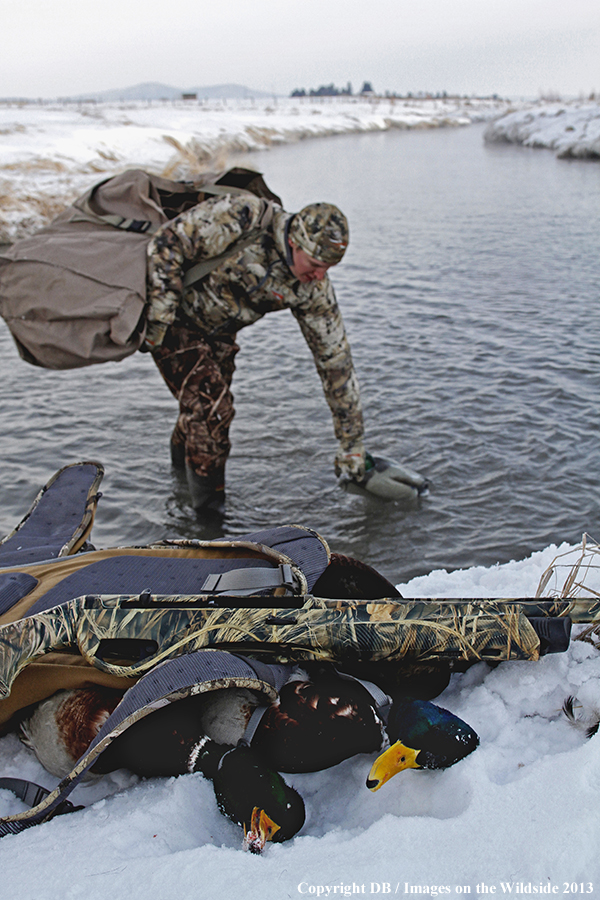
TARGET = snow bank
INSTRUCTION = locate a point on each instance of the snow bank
(571, 129)
(517, 816)
(50, 153)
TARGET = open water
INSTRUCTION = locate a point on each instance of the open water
(470, 294)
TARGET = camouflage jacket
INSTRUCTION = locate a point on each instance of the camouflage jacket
(250, 283)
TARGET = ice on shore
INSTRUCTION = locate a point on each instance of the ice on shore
(50, 153)
(571, 129)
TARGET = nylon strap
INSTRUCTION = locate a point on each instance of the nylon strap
(244, 582)
(257, 714)
(251, 727)
(382, 701)
(203, 268)
(32, 794)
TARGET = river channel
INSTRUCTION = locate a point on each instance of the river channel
(470, 295)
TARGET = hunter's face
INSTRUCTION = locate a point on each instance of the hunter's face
(305, 268)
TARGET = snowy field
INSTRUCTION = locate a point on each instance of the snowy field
(51, 153)
(572, 129)
(521, 811)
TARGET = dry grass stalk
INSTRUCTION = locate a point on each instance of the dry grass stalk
(590, 635)
(35, 164)
(575, 581)
(192, 160)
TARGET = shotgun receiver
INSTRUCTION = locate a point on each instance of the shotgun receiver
(128, 635)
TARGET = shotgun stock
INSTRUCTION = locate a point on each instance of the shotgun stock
(128, 635)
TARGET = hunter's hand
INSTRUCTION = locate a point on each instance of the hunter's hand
(350, 461)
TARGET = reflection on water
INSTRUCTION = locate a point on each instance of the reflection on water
(470, 293)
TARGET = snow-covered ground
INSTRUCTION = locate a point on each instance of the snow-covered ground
(51, 153)
(571, 129)
(520, 815)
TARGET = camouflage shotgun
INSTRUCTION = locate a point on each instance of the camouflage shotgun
(128, 635)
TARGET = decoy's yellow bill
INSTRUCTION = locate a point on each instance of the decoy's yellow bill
(262, 829)
(393, 760)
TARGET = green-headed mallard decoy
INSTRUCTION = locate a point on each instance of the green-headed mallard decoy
(256, 797)
(422, 736)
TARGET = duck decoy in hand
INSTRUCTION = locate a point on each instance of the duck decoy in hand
(388, 480)
(422, 736)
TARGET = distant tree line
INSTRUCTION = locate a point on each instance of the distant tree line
(330, 90)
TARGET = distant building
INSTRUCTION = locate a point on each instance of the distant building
(189, 96)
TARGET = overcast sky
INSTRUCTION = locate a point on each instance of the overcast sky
(510, 47)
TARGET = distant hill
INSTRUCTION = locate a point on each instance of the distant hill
(153, 90)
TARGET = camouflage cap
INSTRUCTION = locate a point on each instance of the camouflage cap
(321, 230)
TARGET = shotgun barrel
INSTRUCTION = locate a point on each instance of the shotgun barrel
(128, 635)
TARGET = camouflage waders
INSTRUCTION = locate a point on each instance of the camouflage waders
(198, 371)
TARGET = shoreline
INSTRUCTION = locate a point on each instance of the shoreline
(571, 129)
(53, 152)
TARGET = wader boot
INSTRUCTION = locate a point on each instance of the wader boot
(207, 492)
(178, 455)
